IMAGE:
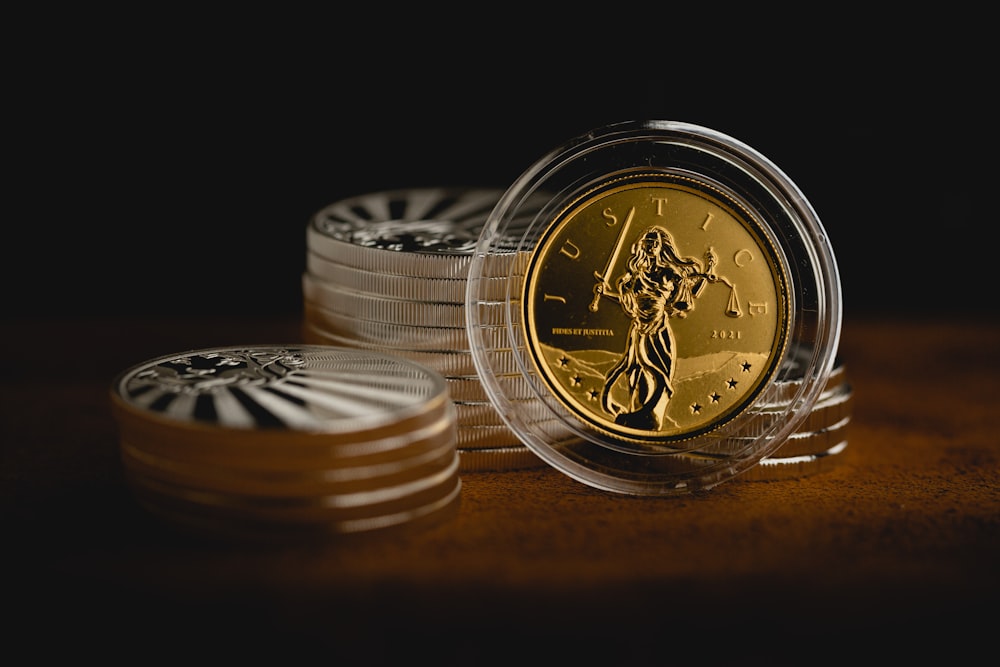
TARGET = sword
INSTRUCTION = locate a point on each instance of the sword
(605, 279)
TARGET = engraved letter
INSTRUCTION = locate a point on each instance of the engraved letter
(610, 217)
(570, 250)
(708, 219)
(660, 201)
(757, 308)
(742, 258)
(553, 297)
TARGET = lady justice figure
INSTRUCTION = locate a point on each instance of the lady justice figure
(658, 284)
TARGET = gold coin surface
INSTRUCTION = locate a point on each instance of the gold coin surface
(655, 306)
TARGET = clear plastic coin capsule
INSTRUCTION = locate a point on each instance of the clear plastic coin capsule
(679, 313)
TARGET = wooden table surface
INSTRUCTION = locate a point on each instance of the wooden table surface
(893, 553)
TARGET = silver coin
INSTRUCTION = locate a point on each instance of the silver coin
(241, 516)
(377, 308)
(422, 232)
(278, 389)
(240, 453)
(388, 335)
(319, 481)
(390, 285)
(772, 468)
(496, 459)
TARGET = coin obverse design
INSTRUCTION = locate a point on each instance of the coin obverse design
(655, 306)
(293, 388)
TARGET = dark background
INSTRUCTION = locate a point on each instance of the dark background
(173, 173)
(165, 166)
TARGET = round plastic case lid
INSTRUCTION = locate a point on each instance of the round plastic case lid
(675, 307)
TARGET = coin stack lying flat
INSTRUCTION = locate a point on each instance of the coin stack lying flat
(279, 441)
(387, 271)
(819, 440)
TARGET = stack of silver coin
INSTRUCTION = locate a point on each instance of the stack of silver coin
(288, 441)
(387, 271)
(818, 442)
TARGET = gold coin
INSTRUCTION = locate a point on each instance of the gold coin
(678, 312)
(656, 308)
